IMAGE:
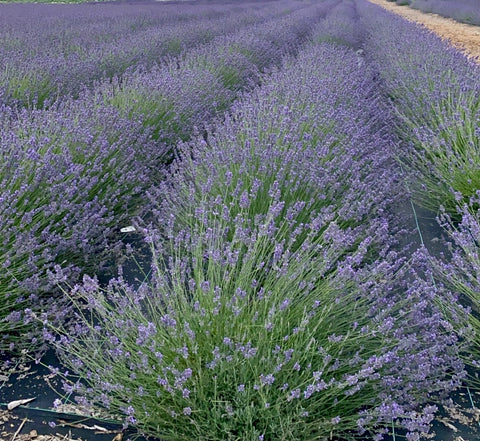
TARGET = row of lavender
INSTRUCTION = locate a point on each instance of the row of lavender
(466, 11)
(50, 51)
(281, 305)
(75, 173)
(436, 92)
(182, 96)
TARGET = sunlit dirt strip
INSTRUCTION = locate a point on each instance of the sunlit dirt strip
(463, 36)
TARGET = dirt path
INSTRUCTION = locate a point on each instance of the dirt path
(463, 36)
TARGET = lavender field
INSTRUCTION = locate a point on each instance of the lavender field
(261, 165)
(465, 11)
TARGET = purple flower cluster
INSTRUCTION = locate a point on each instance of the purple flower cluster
(459, 269)
(70, 178)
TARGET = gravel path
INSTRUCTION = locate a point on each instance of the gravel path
(463, 36)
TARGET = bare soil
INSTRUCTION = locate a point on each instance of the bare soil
(463, 36)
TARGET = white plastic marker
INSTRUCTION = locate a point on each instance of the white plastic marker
(129, 229)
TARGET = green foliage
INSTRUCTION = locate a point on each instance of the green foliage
(155, 111)
(31, 88)
(448, 156)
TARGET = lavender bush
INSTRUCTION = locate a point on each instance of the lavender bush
(70, 178)
(275, 311)
(460, 269)
(466, 11)
(435, 90)
(341, 26)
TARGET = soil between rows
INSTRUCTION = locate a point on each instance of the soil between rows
(463, 36)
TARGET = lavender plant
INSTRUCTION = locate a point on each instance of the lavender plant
(341, 26)
(459, 269)
(270, 315)
(205, 353)
(169, 101)
(435, 90)
(69, 179)
(80, 148)
(448, 162)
